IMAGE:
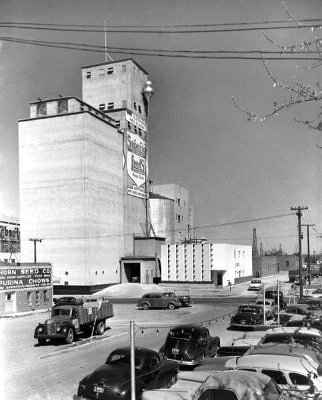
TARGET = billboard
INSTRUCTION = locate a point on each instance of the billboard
(17, 277)
(136, 162)
(9, 237)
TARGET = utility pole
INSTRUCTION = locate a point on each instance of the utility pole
(35, 247)
(308, 250)
(299, 215)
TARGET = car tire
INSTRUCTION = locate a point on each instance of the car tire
(100, 329)
(42, 342)
(70, 336)
(145, 306)
(173, 380)
(171, 306)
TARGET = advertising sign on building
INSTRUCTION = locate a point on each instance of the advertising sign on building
(135, 120)
(13, 278)
(9, 237)
(136, 164)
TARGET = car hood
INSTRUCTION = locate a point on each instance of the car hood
(110, 374)
(246, 316)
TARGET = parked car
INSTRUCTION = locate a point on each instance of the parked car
(159, 300)
(248, 314)
(221, 385)
(270, 307)
(317, 293)
(113, 379)
(287, 349)
(303, 320)
(294, 375)
(311, 301)
(255, 284)
(185, 299)
(298, 309)
(190, 344)
(272, 294)
(309, 336)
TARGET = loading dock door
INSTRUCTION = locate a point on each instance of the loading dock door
(132, 272)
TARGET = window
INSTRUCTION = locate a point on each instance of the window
(135, 129)
(29, 298)
(140, 109)
(298, 379)
(124, 103)
(178, 200)
(287, 263)
(134, 105)
(101, 73)
(278, 376)
(88, 74)
(123, 68)
(62, 106)
(41, 109)
(110, 70)
(179, 218)
(37, 297)
(129, 125)
(101, 107)
(66, 283)
(213, 394)
(110, 106)
(8, 296)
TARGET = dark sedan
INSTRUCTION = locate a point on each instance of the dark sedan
(113, 379)
(190, 344)
(248, 314)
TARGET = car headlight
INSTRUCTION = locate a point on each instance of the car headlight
(58, 329)
(40, 329)
(81, 388)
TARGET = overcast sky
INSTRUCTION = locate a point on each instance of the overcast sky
(234, 170)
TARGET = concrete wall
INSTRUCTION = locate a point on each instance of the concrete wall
(71, 195)
(203, 262)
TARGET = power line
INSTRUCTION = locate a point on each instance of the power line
(156, 54)
(163, 26)
(158, 30)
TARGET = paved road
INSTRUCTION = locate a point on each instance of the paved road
(30, 371)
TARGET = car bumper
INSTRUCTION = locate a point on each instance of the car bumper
(50, 336)
(185, 362)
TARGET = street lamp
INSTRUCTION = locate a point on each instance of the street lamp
(147, 94)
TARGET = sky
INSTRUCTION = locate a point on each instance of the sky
(239, 174)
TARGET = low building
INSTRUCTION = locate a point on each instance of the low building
(25, 287)
(218, 264)
(274, 264)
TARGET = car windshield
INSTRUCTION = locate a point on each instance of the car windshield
(123, 358)
(267, 303)
(61, 311)
(277, 339)
(249, 309)
(255, 281)
(179, 335)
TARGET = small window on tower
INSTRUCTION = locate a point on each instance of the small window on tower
(140, 109)
(124, 68)
(129, 125)
(101, 107)
(135, 129)
(41, 109)
(134, 105)
(110, 70)
(110, 106)
(88, 74)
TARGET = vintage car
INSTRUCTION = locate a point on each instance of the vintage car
(190, 344)
(159, 300)
(303, 335)
(270, 306)
(287, 349)
(113, 379)
(248, 314)
(185, 299)
(299, 309)
(255, 284)
(272, 294)
(303, 320)
(298, 376)
(219, 385)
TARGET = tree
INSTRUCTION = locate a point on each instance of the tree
(295, 92)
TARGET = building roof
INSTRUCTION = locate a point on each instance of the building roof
(116, 62)
(153, 195)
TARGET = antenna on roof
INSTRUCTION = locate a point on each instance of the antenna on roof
(105, 44)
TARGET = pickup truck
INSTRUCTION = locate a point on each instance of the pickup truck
(71, 316)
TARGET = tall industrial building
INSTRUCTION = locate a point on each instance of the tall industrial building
(83, 166)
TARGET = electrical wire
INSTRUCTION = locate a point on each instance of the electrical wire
(162, 26)
(158, 30)
(156, 54)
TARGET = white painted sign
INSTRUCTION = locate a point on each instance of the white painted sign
(136, 159)
(137, 192)
(135, 120)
